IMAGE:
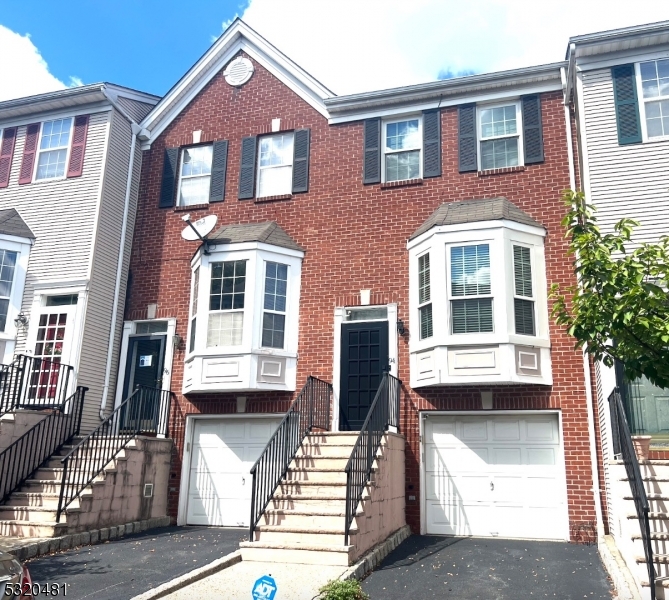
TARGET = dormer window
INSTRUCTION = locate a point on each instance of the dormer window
(482, 263)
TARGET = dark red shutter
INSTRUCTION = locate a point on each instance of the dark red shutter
(6, 154)
(76, 165)
(29, 151)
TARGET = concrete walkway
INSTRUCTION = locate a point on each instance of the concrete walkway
(426, 567)
(129, 566)
(293, 582)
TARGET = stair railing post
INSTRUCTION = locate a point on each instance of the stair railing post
(62, 488)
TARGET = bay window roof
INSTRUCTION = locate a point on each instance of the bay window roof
(472, 211)
(11, 223)
(268, 232)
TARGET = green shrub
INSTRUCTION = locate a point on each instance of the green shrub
(342, 590)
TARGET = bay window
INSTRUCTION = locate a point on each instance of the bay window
(424, 304)
(523, 302)
(471, 299)
(226, 303)
(274, 315)
(7, 268)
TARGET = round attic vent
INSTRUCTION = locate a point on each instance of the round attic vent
(239, 71)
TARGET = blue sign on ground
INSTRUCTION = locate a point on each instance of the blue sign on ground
(264, 588)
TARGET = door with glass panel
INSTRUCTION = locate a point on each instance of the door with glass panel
(49, 377)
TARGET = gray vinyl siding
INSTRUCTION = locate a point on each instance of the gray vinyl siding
(135, 109)
(60, 213)
(97, 324)
(625, 181)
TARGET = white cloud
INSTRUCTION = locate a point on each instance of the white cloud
(359, 45)
(24, 71)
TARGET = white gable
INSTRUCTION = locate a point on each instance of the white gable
(238, 37)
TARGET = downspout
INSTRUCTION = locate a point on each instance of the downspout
(586, 362)
(135, 129)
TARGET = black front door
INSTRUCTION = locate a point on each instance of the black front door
(146, 358)
(364, 356)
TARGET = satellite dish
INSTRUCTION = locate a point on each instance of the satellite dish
(202, 226)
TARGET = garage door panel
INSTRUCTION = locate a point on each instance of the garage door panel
(495, 475)
(219, 487)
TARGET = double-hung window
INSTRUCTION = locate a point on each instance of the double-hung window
(195, 175)
(523, 300)
(499, 135)
(471, 293)
(655, 91)
(53, 147)
(274, 307)
(7, 268)
(424, 297)
(402, 147)
(275, 165)
(226, 303)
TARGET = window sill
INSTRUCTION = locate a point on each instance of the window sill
(503, 171)
(402, 183)
(273, 198)
(191, 207)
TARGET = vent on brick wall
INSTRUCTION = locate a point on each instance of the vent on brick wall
(239, 71)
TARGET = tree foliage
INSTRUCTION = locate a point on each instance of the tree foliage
(620, 307)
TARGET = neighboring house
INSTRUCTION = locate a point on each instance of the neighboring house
(69, 171)
(618, 86)
(415, 228)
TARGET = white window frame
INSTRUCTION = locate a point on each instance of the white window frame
(233, 310)
(182, 152)
(259, 168)
(450, 297)
(385, 152)
(515, 296)
(274, 312)
(519, 132)
(420, 305)
(642, 102)
(39, 151)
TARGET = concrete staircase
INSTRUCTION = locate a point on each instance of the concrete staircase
(113, 497)
(655, 475)
(304, 521)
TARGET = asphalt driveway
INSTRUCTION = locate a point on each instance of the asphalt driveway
(131, 565)
(425, 567)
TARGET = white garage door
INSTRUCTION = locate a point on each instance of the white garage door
(495, 476)
(224, 450)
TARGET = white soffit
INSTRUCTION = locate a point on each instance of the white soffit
(238, 36)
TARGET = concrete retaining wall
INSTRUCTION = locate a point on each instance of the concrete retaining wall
(13, 425)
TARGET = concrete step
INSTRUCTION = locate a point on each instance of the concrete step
(311, 487)
(318, 518)
(333, 438)
(299, 502)
(319, 462)
(297, 553)
(659, 542)
(34, 514)
(316, 474)
(657, 503)
(36, 499)
(281, 536)
(660, 564)
(324, 450)
(32, 529)
(51, 486)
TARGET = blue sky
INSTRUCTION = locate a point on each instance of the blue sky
(349, 45)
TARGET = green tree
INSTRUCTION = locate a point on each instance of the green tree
(620, 307)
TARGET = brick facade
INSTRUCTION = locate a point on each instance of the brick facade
(355, 238)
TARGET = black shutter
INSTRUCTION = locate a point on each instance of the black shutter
(247, 171)
(467, 155)
(533, 137)
(627, 106)
(219, 165)
(301, 161)
(372, 160)
(170, 165)
(432, 143)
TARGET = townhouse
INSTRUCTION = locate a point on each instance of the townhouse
(412, 231)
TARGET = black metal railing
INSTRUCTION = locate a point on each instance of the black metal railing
(145, 411)
(31, 382)
(23, 457)
(623, 447)
(310, 410)
(383, 413)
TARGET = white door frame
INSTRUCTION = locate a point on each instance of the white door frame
(423, 414)
(182, 512)
(393, 352)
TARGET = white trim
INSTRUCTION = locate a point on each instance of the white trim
(642, 106)
(87, 109)
(385, 152)
(469, 96)
(423, 414)
(518, 135)
(583, 135)
(22, 247)
(259, 169)
(238, 37)
(393, 350)
(587, 63)
(182, 151)
(184, 482)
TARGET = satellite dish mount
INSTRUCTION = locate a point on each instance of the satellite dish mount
(197, 230)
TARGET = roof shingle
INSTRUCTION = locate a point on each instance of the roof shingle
(268, 232)
(11, 223)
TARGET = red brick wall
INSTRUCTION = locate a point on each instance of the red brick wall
(355, 238)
